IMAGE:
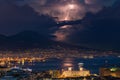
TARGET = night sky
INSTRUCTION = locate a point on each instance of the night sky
(100, 26)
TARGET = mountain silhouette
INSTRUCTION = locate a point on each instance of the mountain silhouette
(25, 39)
(31, 40)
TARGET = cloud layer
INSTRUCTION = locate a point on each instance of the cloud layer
(59, 8)
(62, 10)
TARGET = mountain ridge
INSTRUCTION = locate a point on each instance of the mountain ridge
(30, 40)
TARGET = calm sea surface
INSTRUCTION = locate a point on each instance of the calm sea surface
(91, 64)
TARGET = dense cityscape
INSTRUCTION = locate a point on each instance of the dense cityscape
(57, 52)
(12, 65)
(21, 73)
(59, 40)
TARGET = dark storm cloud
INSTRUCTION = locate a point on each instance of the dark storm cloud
(103, 30)
(14, 10)
(19, 15)
(53, 7)
(14, 19)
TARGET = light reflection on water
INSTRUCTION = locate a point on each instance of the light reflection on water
(67, 62)
(91, 64)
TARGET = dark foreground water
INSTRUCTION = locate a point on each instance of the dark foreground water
(91, 64)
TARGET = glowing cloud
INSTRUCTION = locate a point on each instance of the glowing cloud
(67, 10)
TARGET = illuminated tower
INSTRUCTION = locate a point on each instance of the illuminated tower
(80, 66)
(69, 68)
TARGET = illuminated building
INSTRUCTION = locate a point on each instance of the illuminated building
(23, 62)
(114, 72)
(72, 73)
